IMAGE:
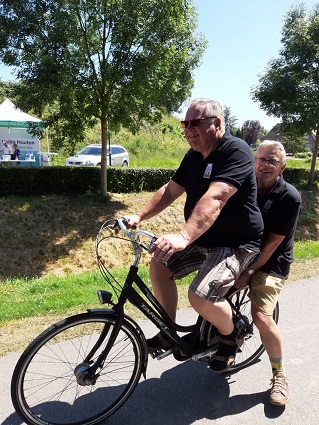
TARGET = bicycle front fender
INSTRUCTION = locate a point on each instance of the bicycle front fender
(109, 312)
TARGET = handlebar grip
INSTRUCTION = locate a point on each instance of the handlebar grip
(126, 223)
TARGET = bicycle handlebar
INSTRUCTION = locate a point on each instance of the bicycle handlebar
(134, 236)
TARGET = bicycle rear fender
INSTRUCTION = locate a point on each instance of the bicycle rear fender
(109, 312)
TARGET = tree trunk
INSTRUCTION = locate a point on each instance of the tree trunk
(314, 159)
(103, 182)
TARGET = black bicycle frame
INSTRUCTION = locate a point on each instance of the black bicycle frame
(153, 310)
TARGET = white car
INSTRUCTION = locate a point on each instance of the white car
(91, 155)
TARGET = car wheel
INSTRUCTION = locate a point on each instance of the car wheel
(125, 164)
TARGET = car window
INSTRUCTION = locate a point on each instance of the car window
(84, 151)
(95, 151)
(117, 150)
(89, 150)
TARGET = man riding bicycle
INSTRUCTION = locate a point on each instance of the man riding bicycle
(223, 226)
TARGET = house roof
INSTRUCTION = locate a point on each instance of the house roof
(277, 135)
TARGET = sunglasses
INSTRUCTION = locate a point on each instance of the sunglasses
(194, 123)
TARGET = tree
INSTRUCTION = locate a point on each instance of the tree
(289, 87)
(115, 61)
(7, 89)
(251, 131)
(230, 121)
(294, 144)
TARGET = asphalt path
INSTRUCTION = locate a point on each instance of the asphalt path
(186, 393)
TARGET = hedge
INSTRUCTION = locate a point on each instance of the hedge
(79, 180)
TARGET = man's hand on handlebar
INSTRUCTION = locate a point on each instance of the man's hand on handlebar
(132, 221)
(165, 246)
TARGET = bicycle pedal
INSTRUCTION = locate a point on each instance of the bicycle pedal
(164, 354)
(204, 356)
(161, 354)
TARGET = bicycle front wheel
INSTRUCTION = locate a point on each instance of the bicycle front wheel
(46, 387)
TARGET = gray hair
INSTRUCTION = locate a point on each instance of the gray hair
(275, 145)
(211, 107)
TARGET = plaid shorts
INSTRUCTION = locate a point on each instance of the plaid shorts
(218, 268)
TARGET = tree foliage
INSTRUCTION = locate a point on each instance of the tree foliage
(294, 144)
(115, 61)
(289, 87)
(230, 120)
(251, 131)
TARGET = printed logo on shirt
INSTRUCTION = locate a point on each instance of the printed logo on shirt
(267, 205)
(208, 171)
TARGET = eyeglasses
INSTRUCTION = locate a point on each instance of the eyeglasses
(263, 161)
(195, 123)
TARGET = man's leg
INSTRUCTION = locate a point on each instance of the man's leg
(206, 295)
(163, 278)
(265, 290)
(219, 313)
(269, 333)
(164, 287)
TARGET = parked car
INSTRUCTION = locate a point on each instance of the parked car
(91, 155)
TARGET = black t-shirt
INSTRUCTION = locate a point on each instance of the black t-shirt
(280, 210)
(240, 221)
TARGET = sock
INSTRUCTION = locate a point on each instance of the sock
(225, 349)
(277, 366)
(232, 335)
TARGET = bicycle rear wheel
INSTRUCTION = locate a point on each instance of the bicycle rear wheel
(44, 388)
(252, 347)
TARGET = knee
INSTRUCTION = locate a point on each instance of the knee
(159, 272)
(193, 299)
(261, 321)
(197, 302)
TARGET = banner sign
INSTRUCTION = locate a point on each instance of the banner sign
(25, 141)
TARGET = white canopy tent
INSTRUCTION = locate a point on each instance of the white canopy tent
(14, 125)
(13, 117)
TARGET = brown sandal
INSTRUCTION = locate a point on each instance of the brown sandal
(226, 353)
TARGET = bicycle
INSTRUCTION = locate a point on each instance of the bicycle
(82, 369)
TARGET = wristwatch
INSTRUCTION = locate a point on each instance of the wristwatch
(250, 271)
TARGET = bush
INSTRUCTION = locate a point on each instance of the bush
(66, 180)
(80, 180)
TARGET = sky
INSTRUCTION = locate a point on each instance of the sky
(243, 37)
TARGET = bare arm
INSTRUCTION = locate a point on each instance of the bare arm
(207, 210)
(270, 245)
(164, 197)
(202, 218)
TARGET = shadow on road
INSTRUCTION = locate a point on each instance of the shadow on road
(182, 395)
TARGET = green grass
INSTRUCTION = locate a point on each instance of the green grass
(298, 163)
(20, 298)
(305, 250)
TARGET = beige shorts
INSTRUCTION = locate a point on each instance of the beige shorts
(264, 292)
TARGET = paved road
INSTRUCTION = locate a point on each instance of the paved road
(189, 393)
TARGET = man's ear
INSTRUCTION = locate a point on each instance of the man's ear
(217, 123)
(283, 166)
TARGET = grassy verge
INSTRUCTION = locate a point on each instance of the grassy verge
(22, 298)
(48, 267)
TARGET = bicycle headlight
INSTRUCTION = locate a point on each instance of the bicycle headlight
(104, 296)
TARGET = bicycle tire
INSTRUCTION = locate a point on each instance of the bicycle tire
(44, 389)
(252, 347)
